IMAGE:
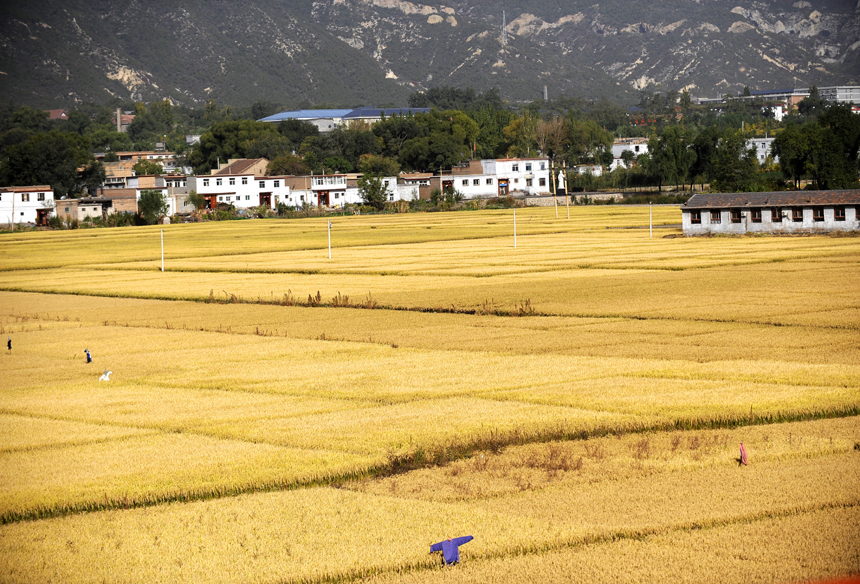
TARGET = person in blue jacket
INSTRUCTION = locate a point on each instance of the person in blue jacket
(89, 357)
(450, 548)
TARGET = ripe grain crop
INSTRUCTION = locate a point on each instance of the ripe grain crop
(800, 548)
(330, 533)
(275, 415)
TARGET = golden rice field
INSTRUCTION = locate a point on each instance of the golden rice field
(575, 402)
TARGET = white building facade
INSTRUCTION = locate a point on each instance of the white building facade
(775, 212)
(26, 204)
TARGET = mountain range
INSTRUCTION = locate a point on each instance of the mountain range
(305, 53)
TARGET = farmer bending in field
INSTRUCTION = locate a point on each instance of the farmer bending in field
(89, 357)
(9, 343)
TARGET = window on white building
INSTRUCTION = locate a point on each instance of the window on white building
(528, 166)
(337, 195)
(40, 196)
(219, 182)
(220, 198)
(516, 181)
(515, 168)
(232, 181)
(542, 182)
(489, 181)
(465, 182)
(543, 165)
(244, 180)
(247, 197)
(25, 197)
(476, 182)
(528, 182)
(277, 184)
(205, 182)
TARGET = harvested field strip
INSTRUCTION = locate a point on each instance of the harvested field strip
(315, 467)
(294, 528)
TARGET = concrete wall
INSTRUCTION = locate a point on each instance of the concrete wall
(767, 225)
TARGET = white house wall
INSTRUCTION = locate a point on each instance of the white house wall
(767, 225)
(24, 211)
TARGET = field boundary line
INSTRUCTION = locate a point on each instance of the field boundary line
(421, 457)
(358, 305)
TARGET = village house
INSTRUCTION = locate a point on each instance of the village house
(775, 212)
(57, 114)
(635, 145)
(80, 209)
(241, 166)
(26, 204)
(500, 177)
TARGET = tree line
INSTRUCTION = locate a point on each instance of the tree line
(687, 143)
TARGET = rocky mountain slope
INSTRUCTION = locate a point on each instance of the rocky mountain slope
(353, 52)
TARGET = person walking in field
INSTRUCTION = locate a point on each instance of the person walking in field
(9, 343)
(89, 357)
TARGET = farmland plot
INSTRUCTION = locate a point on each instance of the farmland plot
(277, 416)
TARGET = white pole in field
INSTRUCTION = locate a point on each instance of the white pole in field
(329, 240)
(567, 200)
(515, 227)
(650, 222)
(162, 250)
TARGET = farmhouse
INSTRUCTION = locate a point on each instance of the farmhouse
(80, 209)
(776, 212)
(26, 204)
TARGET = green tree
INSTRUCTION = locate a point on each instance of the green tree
(269, 146)
(372, 190)
(30, 119)
(196, 199)
(296, 131)
(264, 109)
(490, 141)
(521, 134)
(394, 131)
(145, 167)
(448, 141)
(705, 147)
(107, 138)
(379, 165)
(51, 158)
(734, 165)
(152, 206)
(791, 148)
(627, 157)
(226, 140)
(811, 105)
(287, 164)
(586, 141)
(671, 156)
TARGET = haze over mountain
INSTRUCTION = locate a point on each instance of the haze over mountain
(376, 52)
